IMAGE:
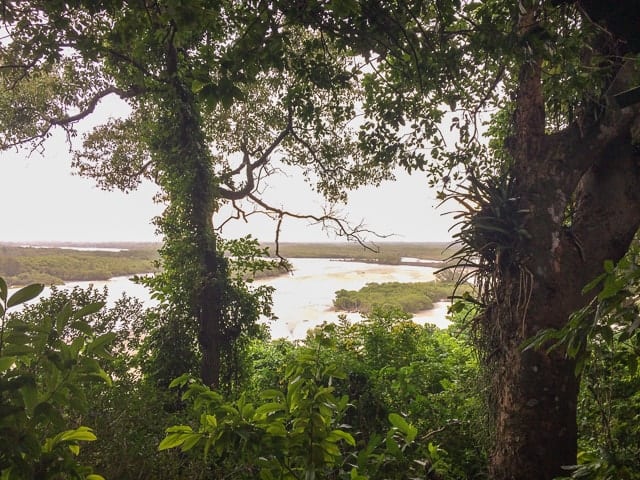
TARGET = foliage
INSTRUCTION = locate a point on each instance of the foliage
(410, 297)
(46, 364)
(290, 434)
(395, 365)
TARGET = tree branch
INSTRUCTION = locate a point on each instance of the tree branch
(341, 227)
(250, 167)
(93, 102)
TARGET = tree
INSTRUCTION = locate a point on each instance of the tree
(551, 197)
(204, 81)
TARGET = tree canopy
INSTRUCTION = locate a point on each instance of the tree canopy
(519, 111)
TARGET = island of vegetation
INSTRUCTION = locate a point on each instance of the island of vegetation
(410, 297)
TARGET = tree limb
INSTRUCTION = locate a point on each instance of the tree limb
(341, 227)
(250, 167)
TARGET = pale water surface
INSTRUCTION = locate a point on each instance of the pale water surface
(303, 299)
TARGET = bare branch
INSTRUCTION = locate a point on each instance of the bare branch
(93, 102)
(250, 167)
(340, 226)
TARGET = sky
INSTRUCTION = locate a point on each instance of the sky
(41, 200)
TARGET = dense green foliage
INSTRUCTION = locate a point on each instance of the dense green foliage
(23, 265)
(330, 408)
(47, 364)
(409, 297)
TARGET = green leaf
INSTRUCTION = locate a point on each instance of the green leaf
(82, 327)
(593, 283)
(347, 437)
(177, 436)
(63, 316)
(102, 375)
(271, 393)
(268, 408)
(608, 266)
(89, 309)
(181, 381)
(80, 434)
(25, 294)
(399, 422)
(210, 421)
(3, 290)
(6, 363)
(101, 341)
(197, 86)
(277, 430)
(190, 442)
(94, 476)
(248, 411)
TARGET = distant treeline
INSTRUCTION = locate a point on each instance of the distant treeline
(388, 253)
(51, 264)
(410, 297)
(24, 265)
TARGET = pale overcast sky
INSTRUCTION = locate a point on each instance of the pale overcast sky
(42, 201)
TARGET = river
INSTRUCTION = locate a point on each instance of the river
(303, 299)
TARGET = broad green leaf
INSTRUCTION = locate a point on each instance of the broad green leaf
(3, 290)
(89, 309)
(268, 408)
(347, 437)
(25, 294)
(411, 434)
(271, 393)
(593, 283)
(63, 317)
(190, 442)
(102, 375)
(210, 421)
(181, 381)
(179, 429)
(609, 266)
(101, 341)
(94, 476)
(81, 434)
(248, 411)
(6, 363)
(277, 430)
(399, 422)
(178, 438)
(197, 86)
(29, 395)
(82, 327)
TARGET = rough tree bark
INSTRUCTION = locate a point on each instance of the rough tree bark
(596, 170)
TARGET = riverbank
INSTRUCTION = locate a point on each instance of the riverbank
(56, 265)
(59, 263)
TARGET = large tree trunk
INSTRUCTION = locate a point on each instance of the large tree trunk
(190, 255)
(534, 393)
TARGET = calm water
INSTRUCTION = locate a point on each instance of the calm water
(303, 299)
